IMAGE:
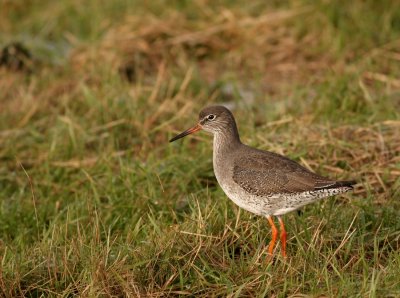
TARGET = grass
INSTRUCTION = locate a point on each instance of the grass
(96, 202)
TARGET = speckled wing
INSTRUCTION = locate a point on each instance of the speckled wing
(265, 173)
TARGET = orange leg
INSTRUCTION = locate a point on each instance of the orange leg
(283, 236)
(274, 235)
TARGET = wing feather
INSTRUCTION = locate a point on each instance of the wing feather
(265, 173)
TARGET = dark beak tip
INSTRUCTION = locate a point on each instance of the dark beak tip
(185, 133)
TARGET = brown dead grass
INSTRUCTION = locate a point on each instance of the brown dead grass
(140, 44)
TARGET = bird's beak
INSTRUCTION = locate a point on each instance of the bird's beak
(186, 132)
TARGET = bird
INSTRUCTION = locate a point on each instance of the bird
(262, 182)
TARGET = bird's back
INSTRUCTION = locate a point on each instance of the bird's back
(266, 173)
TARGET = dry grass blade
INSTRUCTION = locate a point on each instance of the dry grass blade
(383, 78)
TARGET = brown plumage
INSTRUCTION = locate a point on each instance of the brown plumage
(279, 175)
(261, 182)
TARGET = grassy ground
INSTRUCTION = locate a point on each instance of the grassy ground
(96, 202)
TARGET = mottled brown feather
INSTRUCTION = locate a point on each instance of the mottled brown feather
(266, 173)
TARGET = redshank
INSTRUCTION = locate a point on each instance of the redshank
(262, 182)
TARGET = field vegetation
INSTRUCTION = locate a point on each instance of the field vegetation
(94, 201)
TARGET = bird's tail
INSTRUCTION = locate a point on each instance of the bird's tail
(348, 183)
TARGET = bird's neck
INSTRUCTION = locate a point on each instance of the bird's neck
(226, 141)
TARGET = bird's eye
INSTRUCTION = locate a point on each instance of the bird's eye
(211, 117)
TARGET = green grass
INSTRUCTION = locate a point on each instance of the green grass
(96, 202)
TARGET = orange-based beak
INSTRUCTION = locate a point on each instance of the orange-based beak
(186, 132)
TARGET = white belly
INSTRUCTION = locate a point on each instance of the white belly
(277, 204)
(239, 196)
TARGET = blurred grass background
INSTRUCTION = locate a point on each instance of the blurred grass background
(96, 202)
